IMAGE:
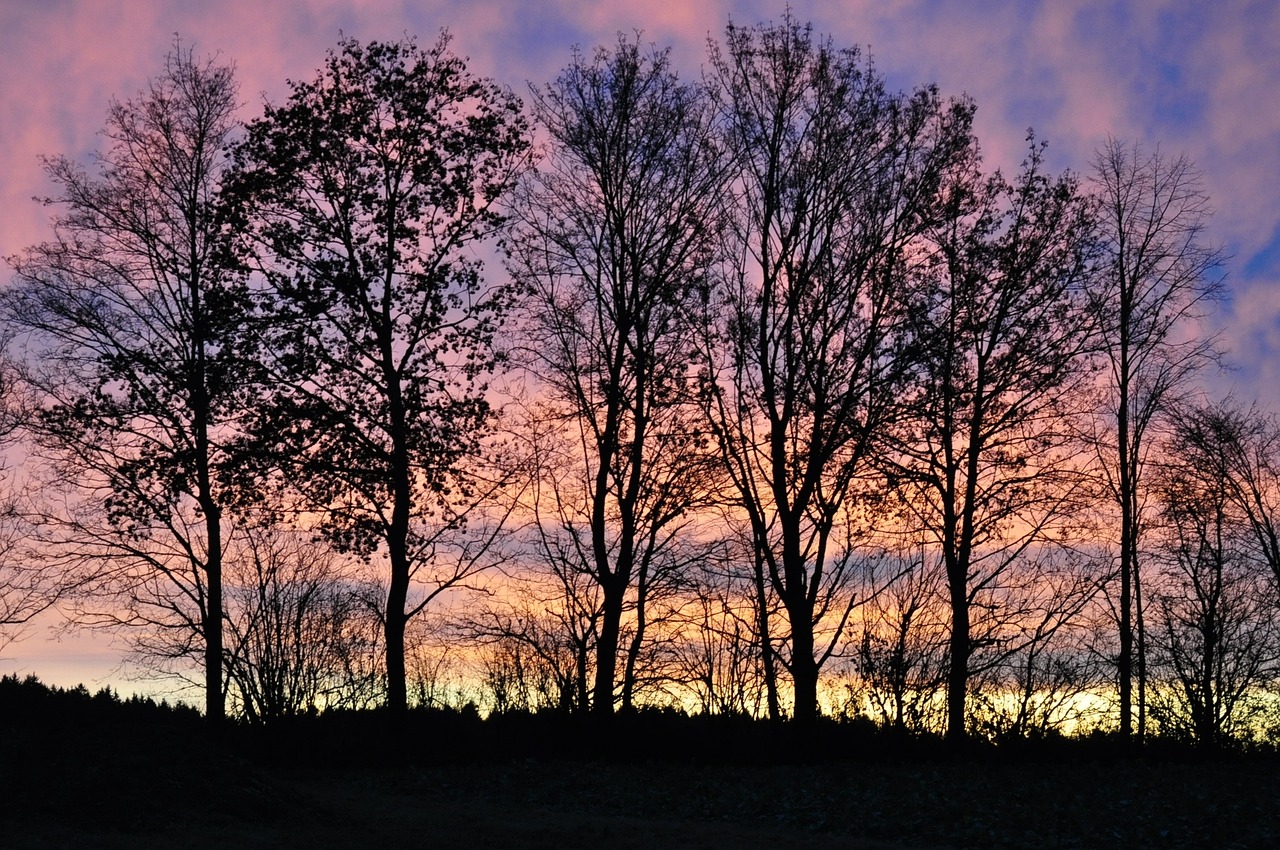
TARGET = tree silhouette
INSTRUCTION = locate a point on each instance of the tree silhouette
(902, 648)
(1214, 632)
(616, 247)
(28, 587)
(301, 631)
(356, 202)
(999, 317)
(1246, 444)
(124, 313)
(835, 178)
(1158, 276)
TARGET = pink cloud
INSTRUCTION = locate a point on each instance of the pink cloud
(1202, 81)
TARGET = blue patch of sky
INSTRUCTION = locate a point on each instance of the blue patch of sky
(1177, 100)
(535, 29)
(1153, 61)
(1264, 263)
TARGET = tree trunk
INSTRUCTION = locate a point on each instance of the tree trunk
(1128, 545)
(201, 419)
(768, 662)
(396, 619)
(1141, 652)
(637, 641)
(582, 692)
(958, 672)
(393, 634)
(215, 697)
(804, 669)
(607, 648)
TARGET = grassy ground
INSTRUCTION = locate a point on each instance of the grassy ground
(147, 779)
(566, 805)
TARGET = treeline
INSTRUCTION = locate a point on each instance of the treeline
(782, 402)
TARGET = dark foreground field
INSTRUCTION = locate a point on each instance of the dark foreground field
(90, 772)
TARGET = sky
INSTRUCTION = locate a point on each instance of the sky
(1196, 79)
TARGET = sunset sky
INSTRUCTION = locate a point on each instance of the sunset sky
(1197, 79)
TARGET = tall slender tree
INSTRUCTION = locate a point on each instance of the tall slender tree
(1004, 336)
(616, 247)
(1158, 276)
(123, 312)
(1214, 639)
(835, 178)
(356, 203)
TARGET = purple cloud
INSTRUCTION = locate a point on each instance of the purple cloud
(1199, 80)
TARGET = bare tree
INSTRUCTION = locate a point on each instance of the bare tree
(1032, 663)
(1215, 636)
(1004, 339)
(902, 649)
(123, 315)
(551, 626)
(716, 656)
(1245, 443)
(835, 179)
(302, 633)
(615, 245)
(28, 587)
(1158, 275)
(515, 677)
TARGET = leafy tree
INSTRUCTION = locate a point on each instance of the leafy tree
(356, 203)
(615, 247)
(1003, 338)
(835, 178)
(123, 312)
(1158, 275)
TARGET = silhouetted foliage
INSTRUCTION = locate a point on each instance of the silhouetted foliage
(985, 454)
(902, 650)
(1214, 642)
(806, 390)
(84, 769)
(302, 629)
(1245, 445)
(356, 203)
(29, 585)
